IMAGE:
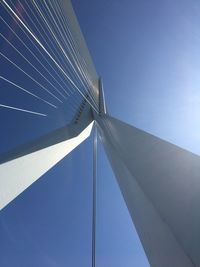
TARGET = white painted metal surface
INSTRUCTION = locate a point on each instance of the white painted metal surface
(160, 183)
(18, 174)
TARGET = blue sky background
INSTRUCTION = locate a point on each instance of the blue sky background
(147, 53)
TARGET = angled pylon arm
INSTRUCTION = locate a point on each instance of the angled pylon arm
(22, 166)
(59, 135)
(160, 183)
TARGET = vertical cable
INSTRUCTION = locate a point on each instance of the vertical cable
(94, 196)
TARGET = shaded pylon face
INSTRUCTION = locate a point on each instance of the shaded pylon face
(160, 183)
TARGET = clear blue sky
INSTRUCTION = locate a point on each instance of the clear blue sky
(147, 53)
